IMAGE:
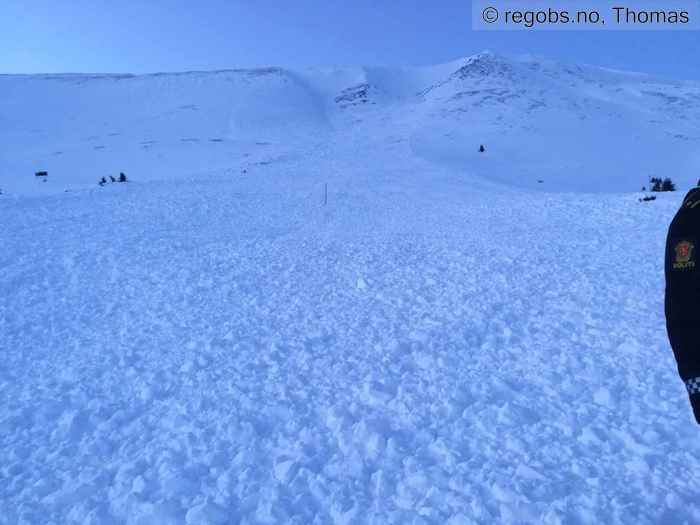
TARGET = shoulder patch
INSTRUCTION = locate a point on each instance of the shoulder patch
(685, 255)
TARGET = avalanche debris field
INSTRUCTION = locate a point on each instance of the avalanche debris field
(198, 352)
(455, 337)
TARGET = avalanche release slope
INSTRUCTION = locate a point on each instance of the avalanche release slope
(446, 340)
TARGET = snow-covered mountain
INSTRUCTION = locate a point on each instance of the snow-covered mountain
(441, 342)
(575, 128)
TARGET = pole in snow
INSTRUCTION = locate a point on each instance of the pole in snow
(325, 194)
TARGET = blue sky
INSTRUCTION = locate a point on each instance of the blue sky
(140, 36)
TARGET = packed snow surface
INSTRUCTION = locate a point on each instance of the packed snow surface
(431, 346)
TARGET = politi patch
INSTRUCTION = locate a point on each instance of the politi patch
(684, 256)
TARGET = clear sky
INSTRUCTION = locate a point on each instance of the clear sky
(141, 36)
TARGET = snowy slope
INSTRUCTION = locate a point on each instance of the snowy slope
(155, 127)
(436, 345)
(575, 128)
(220, 353)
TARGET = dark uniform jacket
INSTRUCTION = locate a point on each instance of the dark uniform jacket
(682, 301)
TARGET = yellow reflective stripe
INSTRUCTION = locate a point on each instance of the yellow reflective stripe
(687, 201)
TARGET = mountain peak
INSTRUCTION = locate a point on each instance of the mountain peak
(484, 64)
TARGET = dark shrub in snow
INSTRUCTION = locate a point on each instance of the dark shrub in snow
(661, 185)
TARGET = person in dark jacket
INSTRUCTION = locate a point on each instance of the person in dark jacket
(682, 299)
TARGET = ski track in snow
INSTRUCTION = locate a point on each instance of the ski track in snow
(231, 353)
